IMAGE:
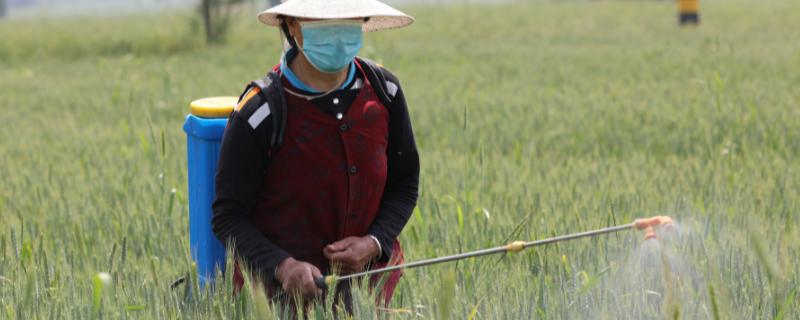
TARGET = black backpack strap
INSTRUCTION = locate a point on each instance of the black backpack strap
(271, 90)
(275, 90)
(375, 76)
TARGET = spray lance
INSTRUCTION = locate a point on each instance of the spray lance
(648, 225)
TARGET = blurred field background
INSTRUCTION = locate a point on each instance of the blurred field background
(532, 120)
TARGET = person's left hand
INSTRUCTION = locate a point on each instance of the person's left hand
(352, 254)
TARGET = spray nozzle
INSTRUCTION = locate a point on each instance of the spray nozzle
(656, 221)
(649, 225)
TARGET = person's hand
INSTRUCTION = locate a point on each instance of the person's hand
(298, 277)
(352, 254)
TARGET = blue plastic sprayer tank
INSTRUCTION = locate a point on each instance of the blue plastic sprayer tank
(204, 128)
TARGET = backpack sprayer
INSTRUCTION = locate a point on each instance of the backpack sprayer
(648, 225)
(204, 128)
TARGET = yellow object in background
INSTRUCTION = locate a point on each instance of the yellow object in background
(688, 6)
(213, 107)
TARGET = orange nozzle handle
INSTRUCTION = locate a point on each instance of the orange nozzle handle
(645, 223)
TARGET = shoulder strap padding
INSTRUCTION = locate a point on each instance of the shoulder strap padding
(375, 74)
(263, 100)
(271, 90)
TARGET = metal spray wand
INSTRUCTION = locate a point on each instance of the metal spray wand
(647, 224)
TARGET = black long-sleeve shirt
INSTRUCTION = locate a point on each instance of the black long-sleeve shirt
(243, 161)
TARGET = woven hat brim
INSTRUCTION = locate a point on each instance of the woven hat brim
(381, 16)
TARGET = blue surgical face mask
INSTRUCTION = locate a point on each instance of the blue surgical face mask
(330, 45)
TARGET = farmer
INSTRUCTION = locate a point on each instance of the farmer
(342, 181)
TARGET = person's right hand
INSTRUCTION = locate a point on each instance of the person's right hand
(298, 277)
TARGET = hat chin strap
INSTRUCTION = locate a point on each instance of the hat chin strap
(289, 38)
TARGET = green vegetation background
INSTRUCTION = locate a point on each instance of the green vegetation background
(532, 120)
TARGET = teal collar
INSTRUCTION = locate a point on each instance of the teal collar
(287, 72)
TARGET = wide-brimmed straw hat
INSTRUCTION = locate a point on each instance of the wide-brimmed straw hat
(381, 16)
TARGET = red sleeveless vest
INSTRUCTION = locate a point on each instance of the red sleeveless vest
(326, 181)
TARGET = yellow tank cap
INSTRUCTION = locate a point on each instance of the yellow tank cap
(213, 107)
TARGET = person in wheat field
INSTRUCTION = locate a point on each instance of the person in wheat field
(318, 169)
